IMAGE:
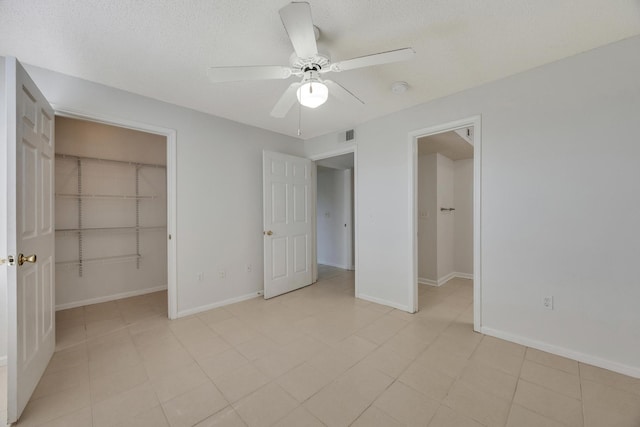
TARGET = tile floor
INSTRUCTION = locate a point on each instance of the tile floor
(314, 357)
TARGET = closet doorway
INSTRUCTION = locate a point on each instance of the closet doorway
(445, 181)
(113, 243)
(335, 216)
(445, 207)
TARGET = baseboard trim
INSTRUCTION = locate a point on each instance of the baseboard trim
(444, 279)
(384, 302)
(564, 352)
(3, 361)
(441, 281)
(424, 281)
(330, 264)
(110, 298)
(218, 304)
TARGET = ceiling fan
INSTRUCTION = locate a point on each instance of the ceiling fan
(306, 62)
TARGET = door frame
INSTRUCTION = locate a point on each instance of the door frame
(326, 155)
(170, 134)
(475, 122)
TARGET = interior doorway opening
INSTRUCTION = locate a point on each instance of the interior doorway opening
(111, 226)
(446, 208)
(335, 215)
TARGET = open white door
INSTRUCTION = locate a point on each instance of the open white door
(30, 236)
(288, 227)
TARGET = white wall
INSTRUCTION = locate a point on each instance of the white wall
(428, 218)
(333, 211)
(446, 219)
(101, 281)
(559, 213)
(219, 185)
(3, 224)
(463, 217)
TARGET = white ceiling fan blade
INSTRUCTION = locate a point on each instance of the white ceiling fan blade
(296, 18)
(237, 74)
(286, 101)
(375, 59)
(341, 93)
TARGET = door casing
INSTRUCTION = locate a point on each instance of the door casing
(328, 154)
(475, 122)
(170, 134)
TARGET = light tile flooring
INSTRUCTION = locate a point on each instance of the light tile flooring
(314, 357)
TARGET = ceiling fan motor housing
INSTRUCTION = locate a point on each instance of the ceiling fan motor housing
(319, 62)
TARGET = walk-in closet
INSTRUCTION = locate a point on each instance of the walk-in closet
(111, 212)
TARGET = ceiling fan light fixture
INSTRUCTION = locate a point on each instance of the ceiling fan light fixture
(312, 94)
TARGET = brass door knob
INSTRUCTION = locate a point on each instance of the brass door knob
(268, 233)
(22, 259)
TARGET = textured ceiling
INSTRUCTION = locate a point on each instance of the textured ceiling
(162, 48)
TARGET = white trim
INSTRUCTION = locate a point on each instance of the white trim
(107, 298)
(382, 301)
(218, 304)
(564, 352)
(441, 281)
(330, 264)
(351, 148)
(314, 219)
(413, 136)
(444, 279)
(424, 281)
(356, 223)
(172, 188)
(3, 361)
(477, 223)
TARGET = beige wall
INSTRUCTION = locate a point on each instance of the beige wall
(463, 230)
(85, 138)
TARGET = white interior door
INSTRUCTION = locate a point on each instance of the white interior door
(30, 236)
(288, 224)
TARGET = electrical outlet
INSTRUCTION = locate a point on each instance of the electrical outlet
(547, 302)
(222, 274)
(200, 277)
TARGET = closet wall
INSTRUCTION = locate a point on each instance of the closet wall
(111, 211)
(445, 238)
